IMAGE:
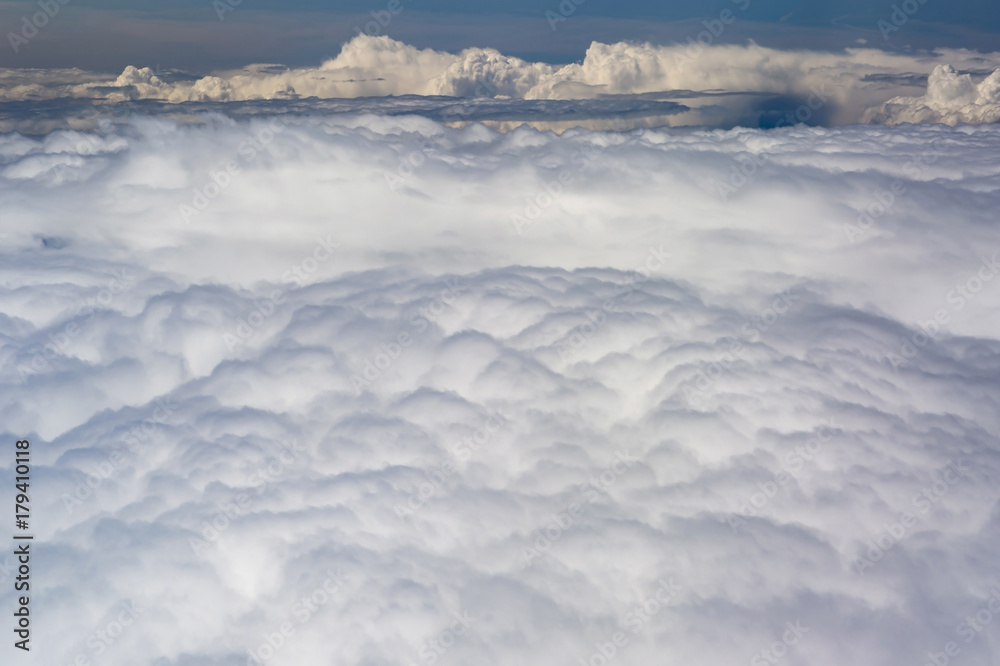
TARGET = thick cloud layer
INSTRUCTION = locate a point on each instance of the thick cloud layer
(378, 391)
(847, 87)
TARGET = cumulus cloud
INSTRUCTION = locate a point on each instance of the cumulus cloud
(951, 98)
(377, 390)
(766, 86)
(370, 66)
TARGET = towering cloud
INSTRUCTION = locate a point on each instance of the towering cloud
(764, 85)
(951, 98)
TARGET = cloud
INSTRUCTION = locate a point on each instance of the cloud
(951, 98)
(762, 86)
(377, 390)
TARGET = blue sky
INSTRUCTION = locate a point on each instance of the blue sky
(107, 35)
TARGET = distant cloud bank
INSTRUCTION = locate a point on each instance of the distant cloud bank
(740, 85)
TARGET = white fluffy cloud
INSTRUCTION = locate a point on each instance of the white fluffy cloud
(951, 98)
(521, 378)
(381, 66)
(834, 88)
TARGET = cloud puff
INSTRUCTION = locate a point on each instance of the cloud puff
(377, 390)
(370, 66)
(951, 98)
(765, 86)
